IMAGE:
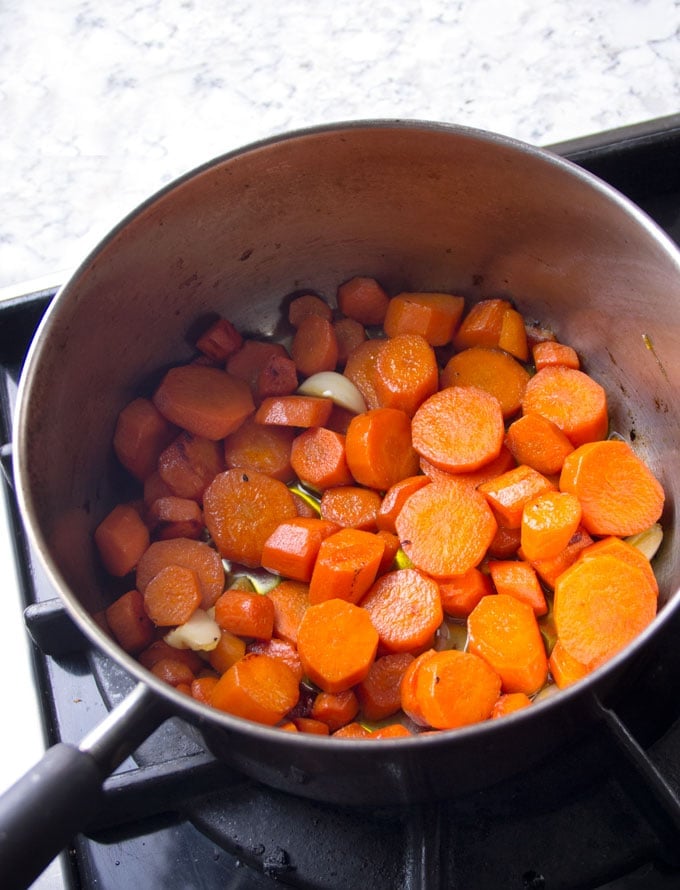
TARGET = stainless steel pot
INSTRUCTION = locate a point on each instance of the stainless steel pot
(419, 206)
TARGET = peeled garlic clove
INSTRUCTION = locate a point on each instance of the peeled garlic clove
(200, 632)
(331, 385)
(648, 541)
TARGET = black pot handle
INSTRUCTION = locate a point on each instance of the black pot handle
(59, 796)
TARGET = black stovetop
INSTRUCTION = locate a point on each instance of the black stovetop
(177, 818)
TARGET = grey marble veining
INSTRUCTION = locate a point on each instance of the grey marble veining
(103, 103)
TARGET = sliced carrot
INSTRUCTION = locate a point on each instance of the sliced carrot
(195, 555)
(128, 622)
(360, 369)
(510, 703)
(406, 372)
(337, 644)
(519, 579)
(172, 596)
(379, 449)
(504, 632)
(294, 410)
(346, 566)
(257, 688)
(508, 493)
(349, 334)
(204, 401)
(293, 546)
(460, 594)
(265, 449)
(173, 517)
(141, 433)
(513, 336)
(459, 428)
(230, 649)
(248, 361)
(405, 608)
(492, 370)
(395, 498)
(309, 724)
(625, 551)
(550, 352)
(277, 377)
(619, 494)
(242, 509)
(314, 347)
(282, 649)
(549, 522)
(474, 478)
(434, 316)
(550, 569)
(482, 325)
(155, 488)
(160, 649)
(174, 673)
(565, 669)
(393, 731)
(121, 538)
(307, 304)
(601, 604)
(454, 689)
(539, 443)
(319, 460)
(364, 300)
(245, 614)
(290, 599)
(189, 463)
(445, 528)
(379, 693)
(572, 400)
(350, 506)
(202, 688)
(335, 709)
(392, 547)
(220, 340)
(505, 543)
(352, 731)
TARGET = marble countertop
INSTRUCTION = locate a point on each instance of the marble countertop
(102, 104)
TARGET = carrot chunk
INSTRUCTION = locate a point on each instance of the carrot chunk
(277, 377)
(519, 579)
(395, 498)
(189, 463)
(482, 325)
(159, 649)
(379, 449)
(174, 673)
(309, 724)
(550, 352)
(248, 362)
(195, 555)
(281, 649)
(319, 460)
(405, 608)
(349, 334)
(337, 644)
(262, 448)
(141, 434)
(204, 401)
(228, 651)
(202, 688)
(173, 517)
(624, 551)
(219, 340)
(363, 299)
(572, 400)
(513, 336)
(346, 566)
(549, 570)
(565, 669)
(619, 494)
(510, 703)
(433, 316)
(290, 599)
(172, 596)
(293, 546)
(459, 428)
(335, 709)
(245, 614)
(360, 368)
(492, 370)
(460, 594)
(539, 443)
(128, 622)
(405, 372)
(121, 539)
(314, 347)
(505, 543)
(294, 410)
(307, 304)
(392, 546)
(549, 522)
(508, 493)
(504, 632)
(350, 506)
(257, 688)
(379, 693)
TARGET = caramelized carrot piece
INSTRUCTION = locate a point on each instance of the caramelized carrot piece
(572, 400)
(363, 299)
(173, 517)
(309, 724)
(549, 570)
(195, 555)
(482, 325)
(595, 470)
(549, 522)
(294, 410)
(445, 528)
(504, 632)
(141, 434)
(277, 377)
(492, 370)
(319, 460)
(392, 546)
(337, 644)
(202, 688)
(395, 499)
(346, 566)
(517, 578)
(314, 347)
(307, 304)
(505, 543)
(513, 336)
(405, 608)
(293, 546)
(172, 596)
(510, 703)
(242, 509)
(434, 316)
(406, 372)
(379, 449)
(204, 401)
(160, 649)
(459, 428)
(251, 358)
(245, 614)
(282, 649)
(335, 709)
(262, 448)
(174, 673)
(219, 340)
(128, 622)
(189, 463)
(257, 688)
(350, 506)
(539, 443)
(290, 599)
(601, 604)
(121, 538)
(550, 352)
(565, 669)
(460, 594)
(349, 334)
(379, 693)
(508, 493)
(228, 651)
(360, 368)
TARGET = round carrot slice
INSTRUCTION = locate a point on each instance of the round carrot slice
(257, 687)
(493, 370)
(572, 400)
(378, 448)
(405, 608)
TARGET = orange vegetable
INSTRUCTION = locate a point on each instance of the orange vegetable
(282, 649)
(174, 672)
(595, 471)
(202, 688)
(405, 372)
(549, 522)
(141, 434)
(242, 509)
(539, 443)
(337, 644)
(248, 362)
(335, 709)
(508, 493)
(572, 400)
(154, 488)
(360, 369)
(433, 316)
(128, 622)
(379, 693)
(460, 594)
(513, 336)
(349, 334)
(228, 651)
(492, 370)
(601, 604)
(505, 543)
(277, 377)
(290, 599)
(314, 347)
(257, 688)
(564, 669)
(504, 632)
(393, 731)
(245, 614)
(392, 546)
(445, 528)
(549, 570)
(172, 596)
(173, 517)
(550, 352)
(189, 463)
(294, 410)
(309, 724)
(364, 300)
(121, 539)
(474, 478)
(350, 506)
(346, 566)
(378, 448)
(159, 649)
(405, 608)
(293, 546)
(195, 555)
(352, 731)
(319, 460)
(459, 428)
(265, 449)
(307, 304)
(517, 578)
(219, 340)
(482, 325)
(624, 551)
(204, 401)
(395, 498)
(510, 703)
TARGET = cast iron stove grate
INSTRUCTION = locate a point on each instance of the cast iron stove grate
(601, 813)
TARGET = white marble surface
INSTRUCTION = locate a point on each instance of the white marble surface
(103, 103)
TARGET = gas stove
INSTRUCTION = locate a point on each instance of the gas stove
(602, 813)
